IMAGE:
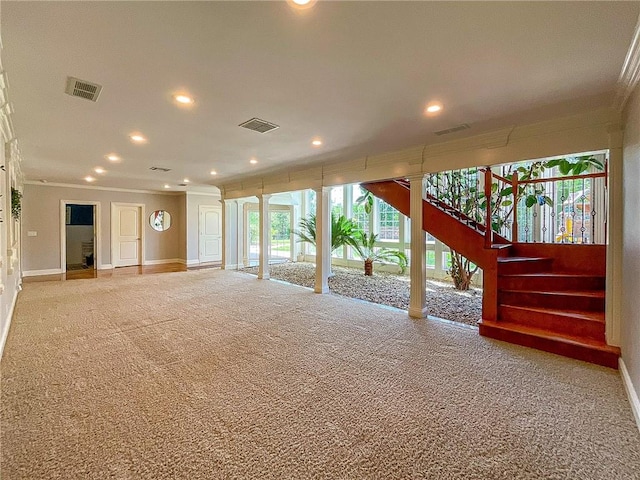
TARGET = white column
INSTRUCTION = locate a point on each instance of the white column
(265, 236)
(323, 239)
(418, 269)
(241, 235)
(229, 258)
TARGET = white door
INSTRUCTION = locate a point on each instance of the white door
(210, 234)
(127, 235)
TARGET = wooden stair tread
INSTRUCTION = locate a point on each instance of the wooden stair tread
(572, 314)
(558, 337)
(552, 275)
(522, 259)
(575, 293)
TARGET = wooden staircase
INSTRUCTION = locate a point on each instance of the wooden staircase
(545, 296)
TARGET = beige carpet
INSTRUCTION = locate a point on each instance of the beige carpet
(211, 374)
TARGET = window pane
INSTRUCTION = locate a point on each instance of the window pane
(388, 222)
(359, 215)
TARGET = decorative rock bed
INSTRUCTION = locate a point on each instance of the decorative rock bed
(443, 300)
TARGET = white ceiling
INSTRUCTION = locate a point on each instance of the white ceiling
(356, 74)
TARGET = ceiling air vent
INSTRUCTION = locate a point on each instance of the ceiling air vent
(258, 125)
(82, 89)
(160, 169)
(458, 128)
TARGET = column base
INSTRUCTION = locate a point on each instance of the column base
(417, 312)
(321, 289)
(264, 276)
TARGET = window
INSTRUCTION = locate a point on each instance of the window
(359, 215)
(388, 222)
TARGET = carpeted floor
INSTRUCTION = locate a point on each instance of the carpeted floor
(213, 374)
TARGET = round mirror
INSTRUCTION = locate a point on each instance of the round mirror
(160, 220)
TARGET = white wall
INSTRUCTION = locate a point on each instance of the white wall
(41, 214)
(10, 175)
(631, 242)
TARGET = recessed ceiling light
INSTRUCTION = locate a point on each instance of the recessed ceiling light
(99, 170)
(186, 180)
(301, 4)
(253, 161)
(183, 99)
(112, 157)
(137, 138)
(167, 185)
(433, 107)
(213, 172)
(89, 179)
(317, 142)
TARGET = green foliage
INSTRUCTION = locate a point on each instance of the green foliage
(342, 231)
(366, 200)
(16, 203)
(280, 225)
(365, 248)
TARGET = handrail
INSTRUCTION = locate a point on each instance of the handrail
(570, 177)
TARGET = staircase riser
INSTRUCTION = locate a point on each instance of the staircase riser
(529, 266)
(579, 352)
(551, 283)
(553, 323)
(557, 301)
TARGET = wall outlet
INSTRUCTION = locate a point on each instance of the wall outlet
(32, 234)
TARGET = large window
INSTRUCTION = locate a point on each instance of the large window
(388, 222)
(281, 234)
(358, 213)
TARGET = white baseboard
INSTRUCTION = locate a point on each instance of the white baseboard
(230, 266)
(5, 333)
(35, 273)
(105, 266)
(164, 261)
(191, 263)
(631, 392)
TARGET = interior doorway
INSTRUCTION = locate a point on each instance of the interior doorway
(79, 239)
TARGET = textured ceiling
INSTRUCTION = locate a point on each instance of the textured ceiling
(356, 74)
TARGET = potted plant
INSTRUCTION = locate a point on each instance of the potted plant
(365, 248)
(342, 231)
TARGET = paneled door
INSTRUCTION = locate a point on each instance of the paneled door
(126, 228)
(210, 233)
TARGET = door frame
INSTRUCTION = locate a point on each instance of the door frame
(142, 220)
(97, 247)
(200, 207)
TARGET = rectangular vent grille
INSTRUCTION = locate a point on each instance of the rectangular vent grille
(463, 126)
(160, 169)
(83, 89)
(258, 125)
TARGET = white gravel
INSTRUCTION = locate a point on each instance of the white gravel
(443, 300)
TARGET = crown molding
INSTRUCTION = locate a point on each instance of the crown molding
(630, 74)
(95, 187)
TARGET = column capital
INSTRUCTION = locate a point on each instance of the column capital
(321, 189)
(416, 177)
(265, 196)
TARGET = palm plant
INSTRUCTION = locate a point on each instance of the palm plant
(365, 248)
(343, 231)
